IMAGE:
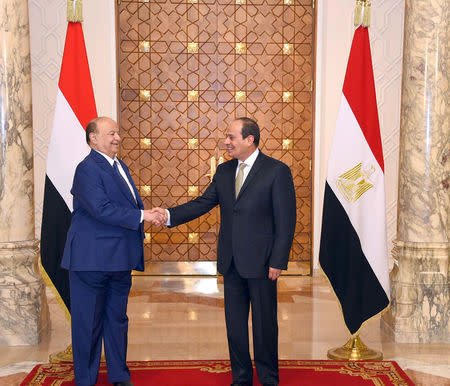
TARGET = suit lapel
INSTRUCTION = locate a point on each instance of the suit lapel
(231, 177)
(253, 172)
(105, 165)
(136, 193)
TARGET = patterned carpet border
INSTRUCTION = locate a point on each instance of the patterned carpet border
(218, 372)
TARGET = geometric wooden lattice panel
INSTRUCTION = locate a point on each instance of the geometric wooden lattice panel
(186, 70)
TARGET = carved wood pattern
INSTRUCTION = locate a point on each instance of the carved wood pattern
(262, 48)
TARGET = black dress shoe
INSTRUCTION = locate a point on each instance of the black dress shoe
(124, 383)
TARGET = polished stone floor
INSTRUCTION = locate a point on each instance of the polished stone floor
(182, 318)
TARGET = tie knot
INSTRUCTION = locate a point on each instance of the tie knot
(242, 166)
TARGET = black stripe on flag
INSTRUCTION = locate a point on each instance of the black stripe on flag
(56, 219)
(342, 259)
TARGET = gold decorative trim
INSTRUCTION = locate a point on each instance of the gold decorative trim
(192, 95)
(354, 350)
(240, 96)
(288, 2)
(287, 96)
(288, 48)
(148, 238)
(366, 14)
(192, 47)
(240, 48)
(288, 144)
(193, 238)
(193, 143)
(48, 282)
(74, 11)
(144, 95)
(145, 143)
(240, 2)
(145, 190)
(193, 191)
(65, 356)
(144, 46)
(355, 182)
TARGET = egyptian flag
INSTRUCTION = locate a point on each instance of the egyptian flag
(75, 107)
(353, 249)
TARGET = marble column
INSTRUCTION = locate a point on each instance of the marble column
(23, 306)
(420, 279)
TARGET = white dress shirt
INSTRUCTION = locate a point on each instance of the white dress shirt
(122, 173)
(248, 164)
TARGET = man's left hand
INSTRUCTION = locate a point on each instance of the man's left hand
(274, 273)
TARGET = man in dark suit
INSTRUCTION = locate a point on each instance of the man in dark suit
(257, 222)
(104, 243)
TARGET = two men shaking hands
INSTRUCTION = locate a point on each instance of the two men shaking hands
(105, 242)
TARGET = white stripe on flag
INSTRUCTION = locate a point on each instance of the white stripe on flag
(67, 148)
(367, 214)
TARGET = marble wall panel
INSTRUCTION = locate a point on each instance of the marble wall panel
(16, 135)
(24, 317)
(425, 150)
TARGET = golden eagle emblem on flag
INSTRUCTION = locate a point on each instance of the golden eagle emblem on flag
(355, 182)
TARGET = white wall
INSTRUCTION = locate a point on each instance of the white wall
(334, 37)
(334, 34)
(48, 26)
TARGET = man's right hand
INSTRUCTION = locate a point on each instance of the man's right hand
(162, 212)
(155, 217)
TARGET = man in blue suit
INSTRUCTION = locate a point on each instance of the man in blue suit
(104, 243)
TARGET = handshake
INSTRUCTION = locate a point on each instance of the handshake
(156, 216)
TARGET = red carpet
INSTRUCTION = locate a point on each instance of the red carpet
(212, 373)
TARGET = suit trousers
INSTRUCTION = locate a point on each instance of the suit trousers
(98, 303)
(261, 293)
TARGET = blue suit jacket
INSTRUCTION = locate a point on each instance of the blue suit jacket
(105, 233)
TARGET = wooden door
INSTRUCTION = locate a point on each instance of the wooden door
(187, 68)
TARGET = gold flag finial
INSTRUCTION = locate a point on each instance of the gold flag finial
(358, 11)
(74, 11)
(366, 17)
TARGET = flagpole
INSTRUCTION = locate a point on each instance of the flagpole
(74, 15)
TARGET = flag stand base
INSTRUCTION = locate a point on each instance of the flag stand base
(65, 356)
(354, 350)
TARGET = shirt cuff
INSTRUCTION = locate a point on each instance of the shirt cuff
(168, 218)
(142, 216)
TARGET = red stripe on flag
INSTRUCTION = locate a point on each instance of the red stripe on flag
(75, 79)
(359, 90)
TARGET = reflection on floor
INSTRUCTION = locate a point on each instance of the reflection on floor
(182, 318)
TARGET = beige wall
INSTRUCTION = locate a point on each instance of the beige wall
(334, 34)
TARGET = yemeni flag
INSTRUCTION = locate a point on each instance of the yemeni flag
(75, 107)
(353, 248)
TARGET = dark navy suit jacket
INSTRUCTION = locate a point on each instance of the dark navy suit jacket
(105, 233)
(257, 228)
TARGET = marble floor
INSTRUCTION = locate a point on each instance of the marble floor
(182, 318)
